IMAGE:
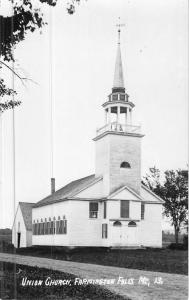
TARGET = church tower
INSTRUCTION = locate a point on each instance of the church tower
(118, 142)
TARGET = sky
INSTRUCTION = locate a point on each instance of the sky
(78, 72)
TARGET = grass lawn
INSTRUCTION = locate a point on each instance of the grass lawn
(11, 286)
(160, 260)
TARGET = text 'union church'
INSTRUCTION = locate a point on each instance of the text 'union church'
(110, 208)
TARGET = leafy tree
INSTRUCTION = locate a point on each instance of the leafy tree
(26, 17)
(174, 191)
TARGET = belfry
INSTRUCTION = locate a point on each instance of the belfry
(118, 149)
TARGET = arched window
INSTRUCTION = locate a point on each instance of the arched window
(125, 165)
(117, 223)
(132, 224)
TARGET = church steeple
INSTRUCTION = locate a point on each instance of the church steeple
(118, 73)
(118, 140)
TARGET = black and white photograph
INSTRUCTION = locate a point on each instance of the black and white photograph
(94, 149)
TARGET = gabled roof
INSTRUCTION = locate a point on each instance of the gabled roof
(26, 209)
(68, 190)
(127, 188)
(141, 198)
(152, 193)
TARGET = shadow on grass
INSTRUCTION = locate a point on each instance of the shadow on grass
(13, 278)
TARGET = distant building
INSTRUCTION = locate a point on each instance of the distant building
(22, 225)
(109, 208)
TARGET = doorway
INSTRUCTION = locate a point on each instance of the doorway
(18, 239)
(117, 233)
(132, 233)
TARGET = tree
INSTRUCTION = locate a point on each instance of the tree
(174, 191)
(26, 17)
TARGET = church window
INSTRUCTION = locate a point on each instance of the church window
(104, 231)
(124, 209)
(33, 228)
(93, 210)
(54, 224)
(142, 211)
(132, 224)
(122, 97)
(117, 223)
(51, 227)
(58, 226)
(115, 97)
(43, 228)
(125, 165)
(105, 209)
(48, 227)
(61, 226)
(65, 227)
(39, 228)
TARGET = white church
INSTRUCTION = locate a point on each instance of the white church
(110, 208)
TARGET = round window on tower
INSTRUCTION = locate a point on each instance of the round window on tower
(125, 165)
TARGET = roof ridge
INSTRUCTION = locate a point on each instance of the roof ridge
(26, 202)
(67, 190)
(67, 185)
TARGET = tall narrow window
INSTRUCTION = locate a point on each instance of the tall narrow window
(51, 227)
(61, 226)
(104, 231)
(65, 227)
(37, 228)
(48, 227)
(58, 227)
(124, 209)
(93, 210)
(105, 209)
(33, 228)
(142, 211)
(45, 227)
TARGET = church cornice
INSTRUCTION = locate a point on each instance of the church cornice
(118, 133)
(113, 103)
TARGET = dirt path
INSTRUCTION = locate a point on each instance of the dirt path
(174, 286)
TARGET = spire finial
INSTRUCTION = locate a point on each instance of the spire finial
(119, 25)
(118, 74)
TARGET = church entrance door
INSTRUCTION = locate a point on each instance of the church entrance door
(131, 236)
(117, 233)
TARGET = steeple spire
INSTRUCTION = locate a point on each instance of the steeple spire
(118, 74)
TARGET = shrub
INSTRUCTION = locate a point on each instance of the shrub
(179, 246)
(185, 241)
(6, 247)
